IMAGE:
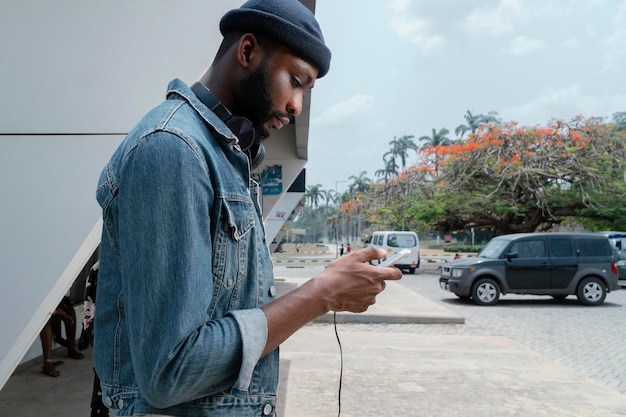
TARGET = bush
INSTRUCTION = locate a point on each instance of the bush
(458, 248)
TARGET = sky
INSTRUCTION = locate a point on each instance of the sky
(404, 67)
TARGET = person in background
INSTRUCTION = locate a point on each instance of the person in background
(89, 310)
(49, 365)
(52, 332)
(65, 314)
(188, 322)
(348, 248)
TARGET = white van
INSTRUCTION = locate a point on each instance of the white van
(393, 242)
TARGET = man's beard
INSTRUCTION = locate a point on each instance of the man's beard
(256, 100)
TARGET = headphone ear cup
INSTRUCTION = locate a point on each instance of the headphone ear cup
(246, 143)
(243, 129)
(256, 154)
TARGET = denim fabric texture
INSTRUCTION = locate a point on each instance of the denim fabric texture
(184, 270)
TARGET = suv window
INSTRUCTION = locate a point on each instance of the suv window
(529, 249)
(592, 247)
(561, 248)
(494, 249)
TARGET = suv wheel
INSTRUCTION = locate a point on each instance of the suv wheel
(591, 291)
(485, 292)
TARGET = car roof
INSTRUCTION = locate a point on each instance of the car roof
(613, 234)
(393, 231)
(514, 236)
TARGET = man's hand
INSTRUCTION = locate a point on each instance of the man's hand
(349, 283)
(352, 284)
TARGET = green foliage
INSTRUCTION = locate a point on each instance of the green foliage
(463, 249)
(497, 178)
(437, 138)
(619, 119)
(514, 179)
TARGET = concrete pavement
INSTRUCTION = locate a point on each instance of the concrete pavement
(386, 372)
(395, 305)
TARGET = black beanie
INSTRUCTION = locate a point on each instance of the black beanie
(287, 22)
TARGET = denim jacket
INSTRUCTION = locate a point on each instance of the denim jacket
(184, 270)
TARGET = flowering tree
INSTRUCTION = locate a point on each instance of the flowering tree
(511, 178)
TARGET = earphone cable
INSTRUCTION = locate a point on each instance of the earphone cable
(341, 368)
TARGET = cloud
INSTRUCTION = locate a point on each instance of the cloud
(571, 43)
(495, 21)
(564, 103)
(416, 31)
(399, 6)
(522, 45)
(408, 28)
(340, 113)
(615, 53)
(621, 14)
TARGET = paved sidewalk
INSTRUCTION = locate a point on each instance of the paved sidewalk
(386, 372)
(389, 373)
(395, 305)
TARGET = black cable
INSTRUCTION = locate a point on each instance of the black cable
(341, 369)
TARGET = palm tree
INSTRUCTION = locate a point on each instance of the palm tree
(400, 146)
(474, 121)
(330, 197)
(437, 138)
(314, 194)
(391, 169)
(360, 183)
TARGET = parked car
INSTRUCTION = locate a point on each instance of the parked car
(618, 243)
(393, 242)
(556, 264)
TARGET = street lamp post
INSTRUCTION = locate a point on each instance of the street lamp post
(337, 222)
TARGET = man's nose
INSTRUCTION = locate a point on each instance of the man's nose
(294, 106)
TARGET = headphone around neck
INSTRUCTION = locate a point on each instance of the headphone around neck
(240, 126)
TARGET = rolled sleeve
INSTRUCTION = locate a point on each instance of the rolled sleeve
(253, 327)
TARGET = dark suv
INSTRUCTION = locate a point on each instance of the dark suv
(556, 264)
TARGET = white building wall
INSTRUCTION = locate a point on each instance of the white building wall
(76, 76)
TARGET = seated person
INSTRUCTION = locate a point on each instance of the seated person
(63, 313)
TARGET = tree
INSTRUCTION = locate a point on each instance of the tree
(436, 139)
(520, 179)
(619, 119)
(391, 168)
(360, 183)
(400, 146)
(474, 121)
(314, 194)
(329, 196)
(330, 199)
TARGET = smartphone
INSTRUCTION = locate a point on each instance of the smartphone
(395, 258)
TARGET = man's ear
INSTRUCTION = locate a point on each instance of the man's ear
(248, 49)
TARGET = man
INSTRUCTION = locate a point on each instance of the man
(188, 323)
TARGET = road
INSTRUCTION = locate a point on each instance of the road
(590, 340)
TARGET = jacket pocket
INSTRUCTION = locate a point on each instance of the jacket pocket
(232, 240)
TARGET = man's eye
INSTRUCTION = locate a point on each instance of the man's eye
(296, 83)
